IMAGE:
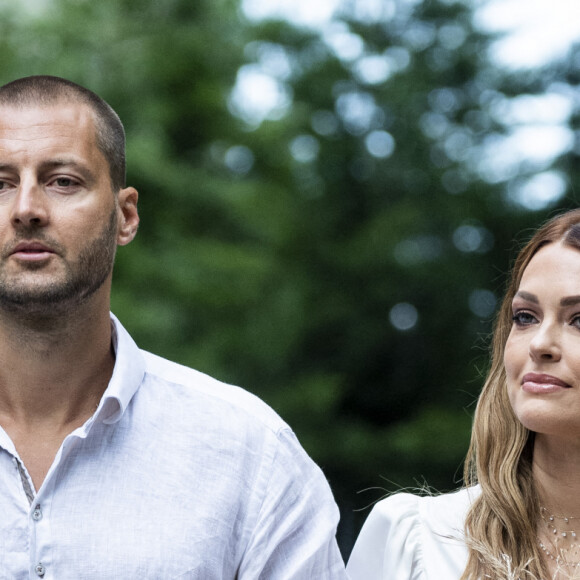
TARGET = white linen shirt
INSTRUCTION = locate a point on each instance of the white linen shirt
(175, 476)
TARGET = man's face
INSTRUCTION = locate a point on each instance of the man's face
(60, 222)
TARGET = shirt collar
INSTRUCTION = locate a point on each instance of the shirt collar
(127, 375)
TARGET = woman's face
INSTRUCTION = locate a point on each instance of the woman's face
(542, 353)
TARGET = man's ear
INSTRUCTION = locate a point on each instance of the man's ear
(129, 217)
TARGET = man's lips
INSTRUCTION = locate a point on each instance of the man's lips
(541, 383)
(31, 247)
(31, 250)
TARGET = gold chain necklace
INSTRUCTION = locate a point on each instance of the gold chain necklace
(551, 523)
(563, 556)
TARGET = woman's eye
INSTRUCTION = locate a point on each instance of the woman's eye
(523, 318)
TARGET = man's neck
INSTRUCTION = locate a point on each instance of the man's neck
(54, 371)
(52, 376)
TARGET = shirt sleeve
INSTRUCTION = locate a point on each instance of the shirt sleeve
(294, 534)
(389, 546)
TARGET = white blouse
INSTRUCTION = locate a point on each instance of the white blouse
(407, 537)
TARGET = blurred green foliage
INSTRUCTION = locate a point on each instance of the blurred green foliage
(273, 254)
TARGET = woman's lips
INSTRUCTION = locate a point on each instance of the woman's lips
(540, 383)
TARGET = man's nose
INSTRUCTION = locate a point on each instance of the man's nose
(29, 206)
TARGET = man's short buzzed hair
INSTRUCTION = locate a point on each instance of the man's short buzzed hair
(49, 90)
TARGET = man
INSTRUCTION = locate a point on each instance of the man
(115, 463)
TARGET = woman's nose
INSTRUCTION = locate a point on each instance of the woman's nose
(545, 344)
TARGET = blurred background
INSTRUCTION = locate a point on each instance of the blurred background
(331, 195)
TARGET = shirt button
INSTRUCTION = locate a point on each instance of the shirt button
(40, 570)
(37, 513)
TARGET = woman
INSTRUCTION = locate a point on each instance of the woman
(518, 516)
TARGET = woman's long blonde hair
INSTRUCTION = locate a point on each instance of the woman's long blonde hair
(501, 524)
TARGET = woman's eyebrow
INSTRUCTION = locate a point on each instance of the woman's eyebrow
(570, 301)
(527, 296)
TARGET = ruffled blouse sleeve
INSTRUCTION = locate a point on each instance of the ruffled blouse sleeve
(389, 545)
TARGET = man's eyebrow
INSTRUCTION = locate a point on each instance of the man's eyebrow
(7, 167)
(63, 162)
(55, 164)
(527, 296)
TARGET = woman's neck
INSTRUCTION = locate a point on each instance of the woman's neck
(556, 470)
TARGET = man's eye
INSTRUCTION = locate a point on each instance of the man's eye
(64, 182)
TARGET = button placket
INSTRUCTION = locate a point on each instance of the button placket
(37, 513)
(40, 568)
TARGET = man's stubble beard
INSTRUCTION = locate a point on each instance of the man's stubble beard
(81, 278)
